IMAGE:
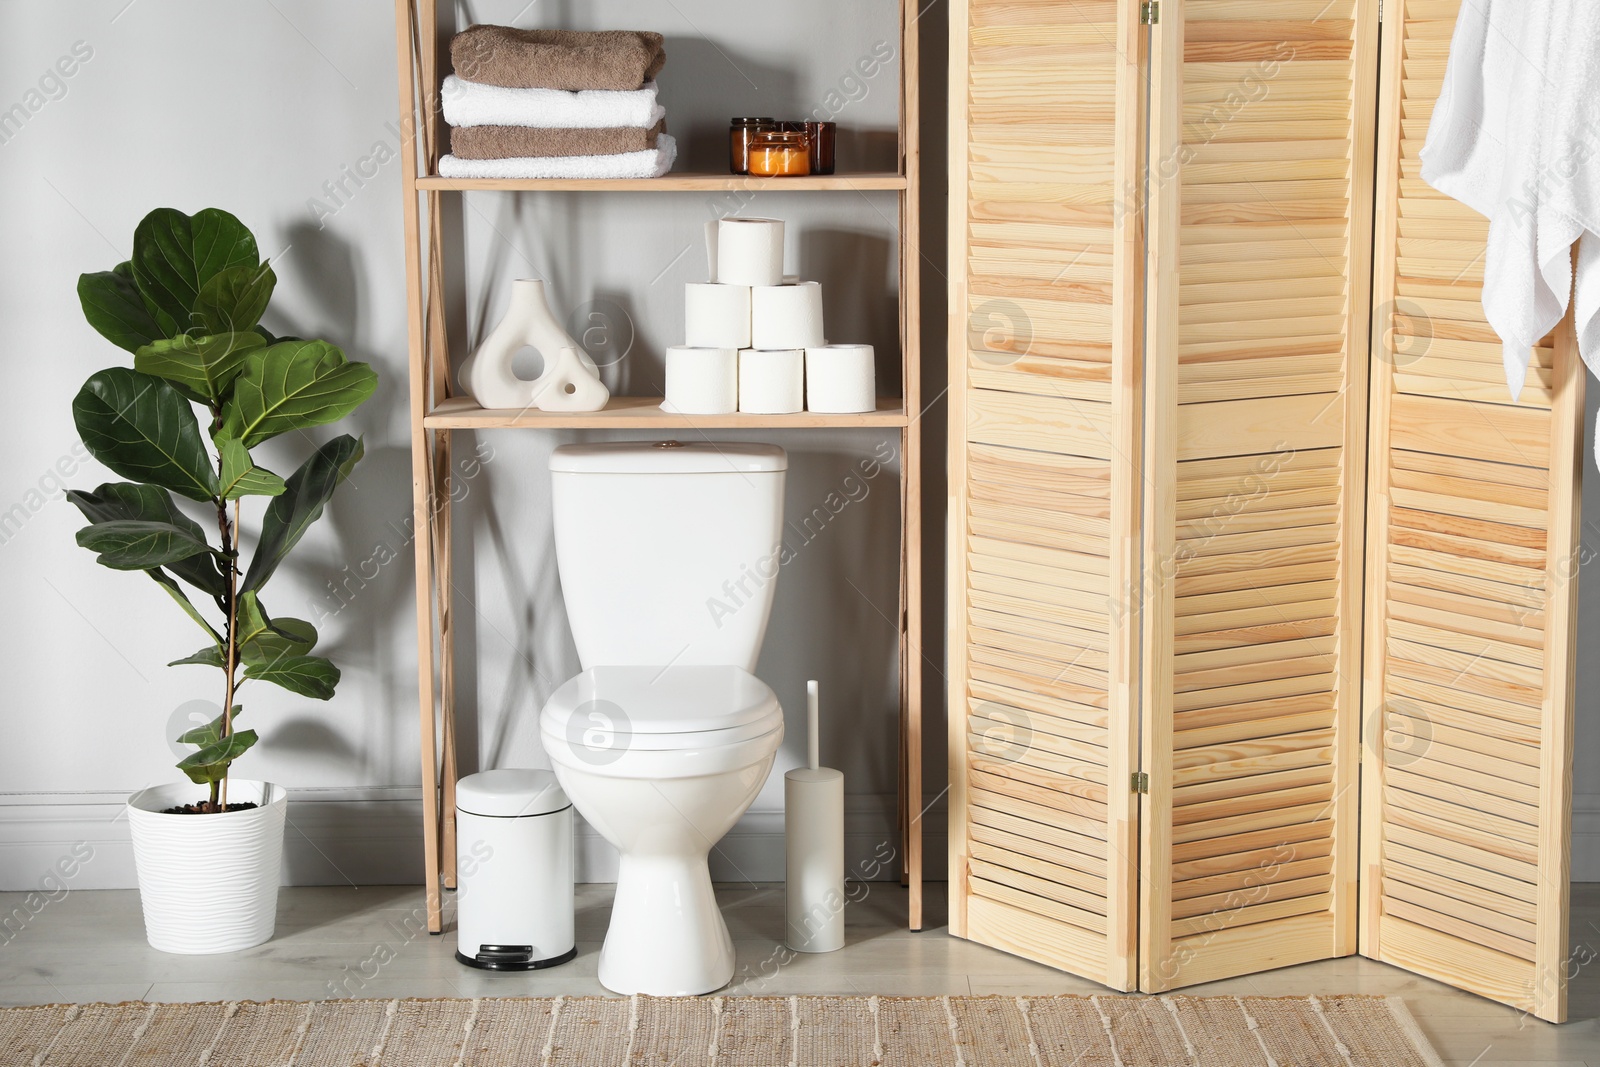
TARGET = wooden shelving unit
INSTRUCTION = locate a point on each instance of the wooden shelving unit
(435, 414)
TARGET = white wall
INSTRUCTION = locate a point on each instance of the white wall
(253, 106)
(265, 107)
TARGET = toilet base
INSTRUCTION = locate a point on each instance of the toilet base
(667, 937)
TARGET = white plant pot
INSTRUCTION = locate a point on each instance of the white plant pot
(208, 883)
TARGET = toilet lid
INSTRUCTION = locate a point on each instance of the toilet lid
(661, 700)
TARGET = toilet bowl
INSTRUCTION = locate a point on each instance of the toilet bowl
(662, 763)
(668, 555)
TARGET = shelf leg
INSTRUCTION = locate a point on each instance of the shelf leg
(911, 465)
(445, 586)
(421, 476)
(422, 546)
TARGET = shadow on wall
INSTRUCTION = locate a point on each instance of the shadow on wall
(354, 578)
(721, 82)
(828, 585)
(727, 84)
(860, 292)
(329, 271)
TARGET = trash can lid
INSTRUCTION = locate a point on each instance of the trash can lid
(510, 794)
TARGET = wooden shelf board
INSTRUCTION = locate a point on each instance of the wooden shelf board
(676, 183)
(644, 412)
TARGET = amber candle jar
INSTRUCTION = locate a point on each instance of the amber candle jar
(741, 132)
(779, 154)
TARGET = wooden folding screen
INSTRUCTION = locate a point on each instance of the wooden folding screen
(1163, 329)
(1471, 590)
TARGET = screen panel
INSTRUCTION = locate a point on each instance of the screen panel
(1044, 378)
(1472, 577)
(1260, 192)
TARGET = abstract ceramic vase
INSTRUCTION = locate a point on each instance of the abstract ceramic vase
(569, 380)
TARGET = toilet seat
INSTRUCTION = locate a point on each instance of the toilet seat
(645, 721)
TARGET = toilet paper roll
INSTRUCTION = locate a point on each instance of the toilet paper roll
(772, 383)
(711, 249)
(786, 316)
(716, 316)
(813, 824)
(840, 379)
(702, 381)
(750, 251)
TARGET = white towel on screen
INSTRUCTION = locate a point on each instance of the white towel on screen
(1515, 136)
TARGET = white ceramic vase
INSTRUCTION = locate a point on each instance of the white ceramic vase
(208, 883)
(569, 381)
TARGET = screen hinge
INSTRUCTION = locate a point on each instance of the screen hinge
(1150, 12)
(1141, 782)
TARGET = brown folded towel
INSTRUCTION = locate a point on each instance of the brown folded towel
(557, 59)
(516, 142)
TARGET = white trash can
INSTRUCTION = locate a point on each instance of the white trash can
(514, 876)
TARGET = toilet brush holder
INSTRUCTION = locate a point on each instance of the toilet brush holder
(813, 820)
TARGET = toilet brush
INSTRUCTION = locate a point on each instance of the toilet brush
(813, 823)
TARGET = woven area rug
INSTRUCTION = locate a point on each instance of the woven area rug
(1106, 1031)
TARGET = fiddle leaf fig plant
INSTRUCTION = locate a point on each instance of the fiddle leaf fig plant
(207, 385)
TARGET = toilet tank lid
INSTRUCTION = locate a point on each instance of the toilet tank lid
(510, 793)
(668, 457)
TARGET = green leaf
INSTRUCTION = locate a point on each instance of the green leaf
(174, 256)
(281, 639)
(240, 475)
(236, 298)
(203, 366)
(210, 733)
(253, 621)
(130, 500)
(143, 428)
(309, 676)
(210, 656)
(291, 514)
(176, 592)
(294, 385)
(127, 500)
(137, 545)
(210, 764)
(112, 304)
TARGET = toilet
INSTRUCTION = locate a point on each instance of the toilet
(668, 554)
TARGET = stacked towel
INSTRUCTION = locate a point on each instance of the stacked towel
(555, 104)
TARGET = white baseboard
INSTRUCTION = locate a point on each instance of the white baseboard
(373, 836)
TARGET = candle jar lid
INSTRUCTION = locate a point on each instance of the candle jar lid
(757, 121)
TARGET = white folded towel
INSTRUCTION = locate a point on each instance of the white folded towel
(475, 104)
(651, 164)
(1511, 139)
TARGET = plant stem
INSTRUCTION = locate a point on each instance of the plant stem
(232, 657)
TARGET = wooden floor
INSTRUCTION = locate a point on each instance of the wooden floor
(368, 942)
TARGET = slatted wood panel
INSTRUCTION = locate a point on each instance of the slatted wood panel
(1260, 216)
(1044, 379)
(1471, 594)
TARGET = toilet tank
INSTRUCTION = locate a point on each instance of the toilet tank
(668, 552)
